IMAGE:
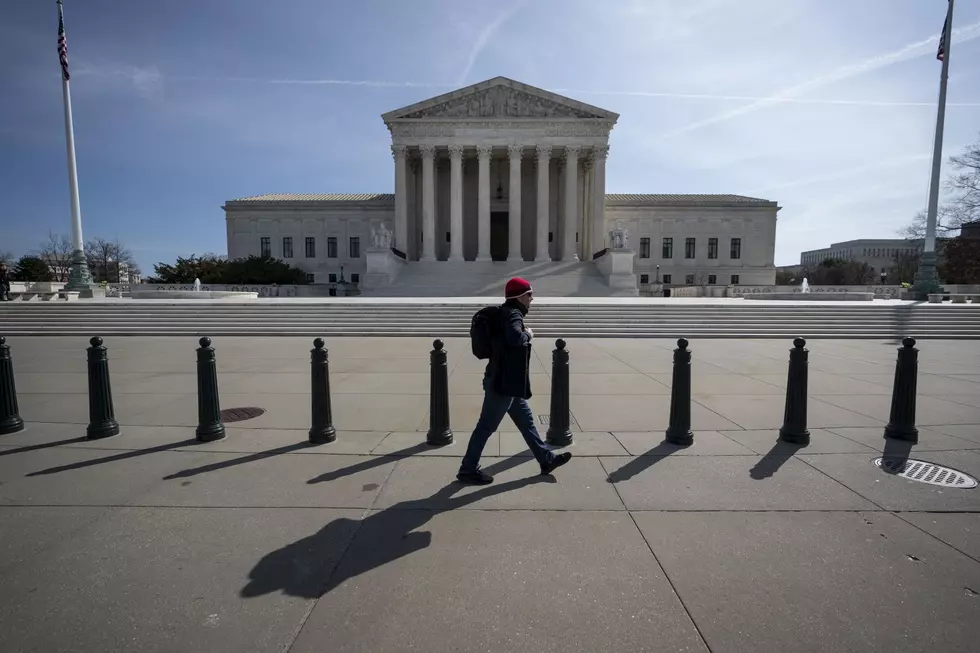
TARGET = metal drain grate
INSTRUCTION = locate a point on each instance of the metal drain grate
(241, 414)
(545, 420)
(924, 472)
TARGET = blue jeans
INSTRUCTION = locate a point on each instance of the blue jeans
(495, 406)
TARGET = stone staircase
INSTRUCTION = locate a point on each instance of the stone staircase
(487, 279)
(352, 317)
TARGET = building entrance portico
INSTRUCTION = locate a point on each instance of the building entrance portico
(504, 170)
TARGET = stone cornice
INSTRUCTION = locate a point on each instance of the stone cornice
(533, 128)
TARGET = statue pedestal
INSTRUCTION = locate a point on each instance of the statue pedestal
(616, 265)
(383, 267)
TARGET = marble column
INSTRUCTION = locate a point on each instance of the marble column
(571, 204)
(543, 153)
(456, 203)
(598, 226)
(514, 209)
(399, 152)
(483, 212)
(428, 203)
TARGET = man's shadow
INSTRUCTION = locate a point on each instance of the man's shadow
(303, 568)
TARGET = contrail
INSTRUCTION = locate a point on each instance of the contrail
(485, 36)
(911, 51)
(850, 172)
(759, 98)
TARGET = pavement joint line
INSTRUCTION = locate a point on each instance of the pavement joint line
(673, 587)
(67, 506)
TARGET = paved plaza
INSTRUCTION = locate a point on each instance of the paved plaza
(150, 541)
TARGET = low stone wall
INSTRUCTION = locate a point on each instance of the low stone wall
(879, 292)
(269, 290)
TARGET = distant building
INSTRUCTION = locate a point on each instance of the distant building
(878, 253)
(970, 230)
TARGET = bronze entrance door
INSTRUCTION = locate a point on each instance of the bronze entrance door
(498, 235)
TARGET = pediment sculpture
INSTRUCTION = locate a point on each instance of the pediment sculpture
(500, 102)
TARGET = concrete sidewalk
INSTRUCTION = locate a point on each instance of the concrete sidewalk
(150, 541)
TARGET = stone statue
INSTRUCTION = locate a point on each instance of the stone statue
(805, 287)
(375, 238)
(197, 285)
(619, 237)
(385, 236)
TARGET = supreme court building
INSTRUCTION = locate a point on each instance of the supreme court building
(501, 178)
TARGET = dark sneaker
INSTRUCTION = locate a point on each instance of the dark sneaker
(555, 463)
(478, 477)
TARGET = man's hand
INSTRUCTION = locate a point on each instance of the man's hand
(529, 332)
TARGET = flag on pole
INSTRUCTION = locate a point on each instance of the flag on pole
(942, 38)
(62, 44)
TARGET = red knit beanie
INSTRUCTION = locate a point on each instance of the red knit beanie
(516, 287)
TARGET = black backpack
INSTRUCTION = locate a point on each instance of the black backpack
(482, 327)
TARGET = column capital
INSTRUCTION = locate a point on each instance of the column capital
(428, 150)
(456, 151)
(542, 152)
(571, 152)
(399, 151)
(484, 151)
(515, 151)
(599, 152)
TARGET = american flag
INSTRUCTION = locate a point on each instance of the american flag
(942, 39)
(62, 44)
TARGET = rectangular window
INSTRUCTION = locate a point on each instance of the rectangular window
(689, 279)
(310, 278)
(644, 248)
(331, 247)
(355, 278)
(355, 247)
(712, 279)
(287, 247)
(736, 248)
(644, 278)
(332, 278)
(689, 247)
(712, 248)
(265, 246)
(734, 279)
(310, 247)
(667, 250)
(667, 279)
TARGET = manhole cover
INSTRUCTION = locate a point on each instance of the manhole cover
(240, 414)
(923, 472)
(545, 420)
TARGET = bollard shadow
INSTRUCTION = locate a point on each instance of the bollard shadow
(898, 451)
(46, 445)
(126, 455)
(775, 458)
(903, 319)
(643, 462)
(369, 464)
(259, 455)
(302, 569)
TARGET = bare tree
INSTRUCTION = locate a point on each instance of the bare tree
(107, 259)
(6, 257)
(963, 205)
(56, 252)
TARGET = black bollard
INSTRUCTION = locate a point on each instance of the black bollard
(901, 421)
(322, 431)
(439, 432)
(679, 431)
(101, 416)
(559, 431)
(209, 426)
(794, 428)
(10, 420)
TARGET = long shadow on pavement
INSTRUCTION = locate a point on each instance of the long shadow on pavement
(251, 458)
(110, 459)
(46, 445)
(643, 462)
(775, 458)
(298, 569)
(371, 463)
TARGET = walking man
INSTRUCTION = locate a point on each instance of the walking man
(499, 334)
(4, 283)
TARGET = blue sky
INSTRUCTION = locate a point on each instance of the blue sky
(826, 106)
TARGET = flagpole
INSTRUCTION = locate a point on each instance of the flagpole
(926, 279)
(79, 277)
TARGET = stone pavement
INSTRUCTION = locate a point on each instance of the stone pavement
(150, 541)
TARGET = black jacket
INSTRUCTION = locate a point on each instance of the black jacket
(510, 362)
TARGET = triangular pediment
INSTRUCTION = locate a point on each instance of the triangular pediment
(501, 98)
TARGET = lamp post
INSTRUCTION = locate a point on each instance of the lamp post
(658, 274)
